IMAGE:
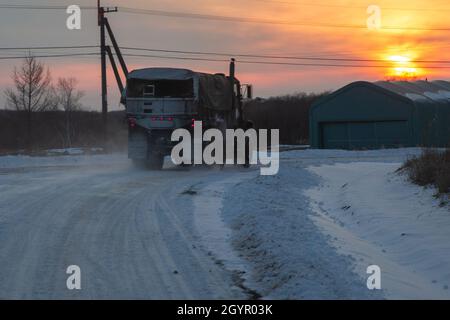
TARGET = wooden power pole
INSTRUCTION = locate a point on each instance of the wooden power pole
(101, 23)
(103, 51)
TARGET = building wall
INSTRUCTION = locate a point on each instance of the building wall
(433, 124)
(368, 116)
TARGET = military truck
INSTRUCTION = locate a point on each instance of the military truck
(160, 100)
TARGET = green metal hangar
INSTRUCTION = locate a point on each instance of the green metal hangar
(365, 115)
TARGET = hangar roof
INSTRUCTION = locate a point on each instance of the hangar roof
(417, 92)
(424, 91)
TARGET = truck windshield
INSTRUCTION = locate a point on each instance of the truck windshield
(160, 88)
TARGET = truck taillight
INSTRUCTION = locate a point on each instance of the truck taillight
(193, 123)
(132, 123)
(161, 118)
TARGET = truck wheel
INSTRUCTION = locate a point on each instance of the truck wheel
(155, 161)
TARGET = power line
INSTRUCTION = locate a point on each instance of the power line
(224, 60)
(201, 16)
(277, 63)
(172, 57)
(169, 51)
(49, 47)
(296, 3)
(334, 65)
(311, 55)
(51, 56)
(223, 54)
(277, 57)
(323, 5)
(40, 7)
(175, 14)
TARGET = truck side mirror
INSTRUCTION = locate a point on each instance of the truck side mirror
(249, 92)
(248, 89)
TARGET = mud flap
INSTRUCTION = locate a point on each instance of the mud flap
(157, 147)
(137, 145)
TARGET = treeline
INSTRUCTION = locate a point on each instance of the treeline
(49, 130)
(43, 114)
(289, 114)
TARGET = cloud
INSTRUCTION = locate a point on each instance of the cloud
(48, 28)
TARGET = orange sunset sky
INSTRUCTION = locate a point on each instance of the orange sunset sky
(413, 33)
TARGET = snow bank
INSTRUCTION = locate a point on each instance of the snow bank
(22, 161)
(347, 155)
(209, 223)
(295, 251)
(289, 257)
(373, 214)
(66, 151)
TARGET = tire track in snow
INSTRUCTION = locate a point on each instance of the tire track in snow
(115, 223)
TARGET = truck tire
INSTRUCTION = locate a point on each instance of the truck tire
(155, 150)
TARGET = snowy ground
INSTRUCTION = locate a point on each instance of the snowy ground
(378, 218)
(131, 231)
(308, 232)
(312, 230)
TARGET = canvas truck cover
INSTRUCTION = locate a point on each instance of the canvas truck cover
(211, 91)
(215, 92)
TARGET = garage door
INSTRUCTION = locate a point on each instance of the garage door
(365, 135)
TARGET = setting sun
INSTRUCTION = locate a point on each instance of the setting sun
(402, 68)
(399, 59)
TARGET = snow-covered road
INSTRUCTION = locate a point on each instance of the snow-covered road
(308, 232)
(131, 231)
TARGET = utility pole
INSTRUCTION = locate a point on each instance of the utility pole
(103, 52)
(233, 82)
(101, 23)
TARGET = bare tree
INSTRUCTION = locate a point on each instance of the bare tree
(68, 99)
(32, 91)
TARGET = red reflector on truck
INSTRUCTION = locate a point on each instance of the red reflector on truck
(132, 122)
(161, 118)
